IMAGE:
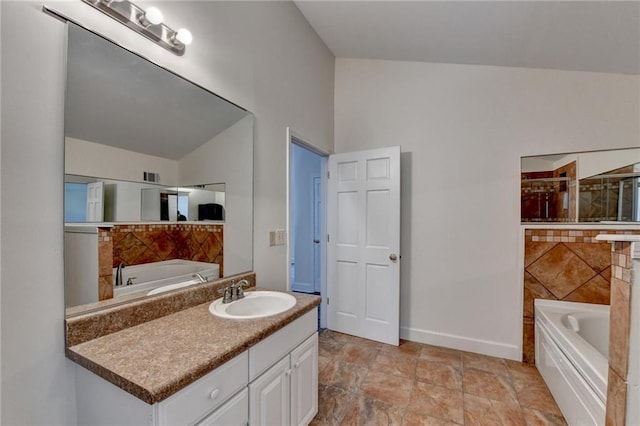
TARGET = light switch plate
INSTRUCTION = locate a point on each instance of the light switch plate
(281, 237)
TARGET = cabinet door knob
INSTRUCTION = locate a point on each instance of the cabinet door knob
(214, 393)
(296, 365)
(287, 373)
(393, 257)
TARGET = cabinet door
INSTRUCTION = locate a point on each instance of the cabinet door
(304, 382)
(234, 412)
(270, 395)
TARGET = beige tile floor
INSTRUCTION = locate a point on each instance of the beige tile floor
(369, 383)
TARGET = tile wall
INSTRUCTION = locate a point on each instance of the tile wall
(105, 262)
(564, 264)
(619, 327)
(135, 244)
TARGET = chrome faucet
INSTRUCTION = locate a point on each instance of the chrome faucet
(233, 292)
(199, 277)
(226, 294)
(236, 289)
(119, 274)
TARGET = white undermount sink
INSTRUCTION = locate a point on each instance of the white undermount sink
(255, 304)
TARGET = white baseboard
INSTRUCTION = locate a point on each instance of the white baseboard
(485, 347)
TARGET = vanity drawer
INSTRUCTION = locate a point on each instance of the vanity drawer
(270, 350)
(205, 394)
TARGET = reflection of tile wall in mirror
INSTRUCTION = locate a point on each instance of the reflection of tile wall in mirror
(138, 244)
(141, 244)
(599, 186)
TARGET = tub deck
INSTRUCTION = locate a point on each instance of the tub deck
(571, 355)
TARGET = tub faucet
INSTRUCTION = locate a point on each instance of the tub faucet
(200, 277)
(119, 274)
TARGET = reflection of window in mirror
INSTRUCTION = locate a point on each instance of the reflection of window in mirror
(75, 202)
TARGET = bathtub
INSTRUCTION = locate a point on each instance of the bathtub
(572, 348)
(158, 277)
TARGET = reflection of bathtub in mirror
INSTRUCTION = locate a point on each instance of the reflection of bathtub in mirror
(158, 277)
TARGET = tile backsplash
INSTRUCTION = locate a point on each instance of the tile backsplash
(564, 264)
(134, 244)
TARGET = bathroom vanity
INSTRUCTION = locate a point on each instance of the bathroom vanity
(191, 367)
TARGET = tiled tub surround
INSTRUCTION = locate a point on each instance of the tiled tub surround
(134, 244)
(564, 264)
(624, 348)
(192, 341)
(138, 243)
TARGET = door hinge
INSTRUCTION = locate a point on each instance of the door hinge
(328, 238)
(327, 300)
(328, 174)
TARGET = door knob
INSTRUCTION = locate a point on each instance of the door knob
(393, 257)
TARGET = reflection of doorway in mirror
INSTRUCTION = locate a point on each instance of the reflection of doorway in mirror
(95, 210)
(182, 206)
(75, 202)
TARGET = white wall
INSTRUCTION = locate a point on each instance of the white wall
(0, 211)
(210, 164)
(37, 385)
(87, 158)
(463, 130)
(261, 55)
(595, 163)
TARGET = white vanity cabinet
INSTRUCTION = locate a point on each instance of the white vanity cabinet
(286, 393)
(270, 396)
(275, 382)
(233, 412)
(304, 382)
(102, 403)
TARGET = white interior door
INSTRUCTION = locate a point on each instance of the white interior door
(363, 259)
(95, 209)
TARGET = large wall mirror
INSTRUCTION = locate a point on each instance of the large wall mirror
(158, 178)
(598, 186)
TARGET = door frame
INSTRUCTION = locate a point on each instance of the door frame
(296, 138)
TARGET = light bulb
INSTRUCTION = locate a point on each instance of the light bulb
(153, 16)
(184, 36)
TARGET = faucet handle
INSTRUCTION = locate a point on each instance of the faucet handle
(226, 294)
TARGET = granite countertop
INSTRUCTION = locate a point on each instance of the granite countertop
(154, 360)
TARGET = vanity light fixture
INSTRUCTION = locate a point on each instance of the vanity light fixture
(146, 22)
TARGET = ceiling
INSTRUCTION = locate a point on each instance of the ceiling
(598, 36)
(114, 97)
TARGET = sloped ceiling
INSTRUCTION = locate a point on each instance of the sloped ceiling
(598, 36)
